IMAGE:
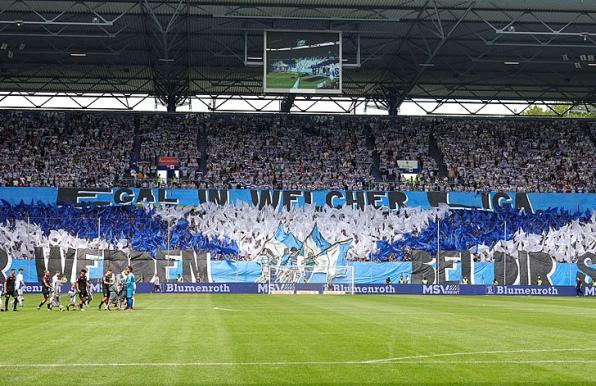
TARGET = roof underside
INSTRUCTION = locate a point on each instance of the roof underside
(408, 49)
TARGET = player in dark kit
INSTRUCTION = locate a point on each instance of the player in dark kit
(106, 283)
(46, 287)
(578, 287)
(10, 290)
(81, 285)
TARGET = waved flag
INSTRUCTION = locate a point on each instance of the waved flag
(277, 248)
(288, 240)
(314, 244)
(272, 251)
(336, 255)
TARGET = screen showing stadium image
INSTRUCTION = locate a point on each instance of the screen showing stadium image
(302, 62)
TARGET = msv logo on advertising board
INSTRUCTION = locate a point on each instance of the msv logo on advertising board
(440, 289)
(590, 291)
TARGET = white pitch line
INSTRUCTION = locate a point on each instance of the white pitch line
(226, 309)
(256, 364)
(407, 360)
(498, 362)
(430, 356)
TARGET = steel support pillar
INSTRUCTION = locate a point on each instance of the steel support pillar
(168, 43)
(287, 103)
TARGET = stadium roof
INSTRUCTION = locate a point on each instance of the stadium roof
(535, 50)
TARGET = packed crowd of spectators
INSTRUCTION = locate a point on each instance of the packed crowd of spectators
(523, 155)
(592, 133)
(404, 149)
(59, 149)
(288, 153)
(167, 136)
(295, 152)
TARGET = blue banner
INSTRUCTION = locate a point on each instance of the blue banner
(222, 271)
(483, 273)
(280, 199)
(16, 195)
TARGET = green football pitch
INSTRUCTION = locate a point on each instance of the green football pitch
(288, 79)
(281, 79)
(305, 339)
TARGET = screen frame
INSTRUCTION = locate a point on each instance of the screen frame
(335, 91)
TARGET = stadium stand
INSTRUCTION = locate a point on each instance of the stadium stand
(246, 151)
(167, 136)
(58, 149)
(506, 155)
(288, 153)
(409, 140)
(283, 152)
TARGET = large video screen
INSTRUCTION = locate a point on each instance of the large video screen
(302, 62)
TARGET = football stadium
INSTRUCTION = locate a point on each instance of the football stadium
(359, 192)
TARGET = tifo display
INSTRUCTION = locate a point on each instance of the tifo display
(306, 202)
(239, 236)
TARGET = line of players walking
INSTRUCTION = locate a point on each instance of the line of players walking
(118, 291)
